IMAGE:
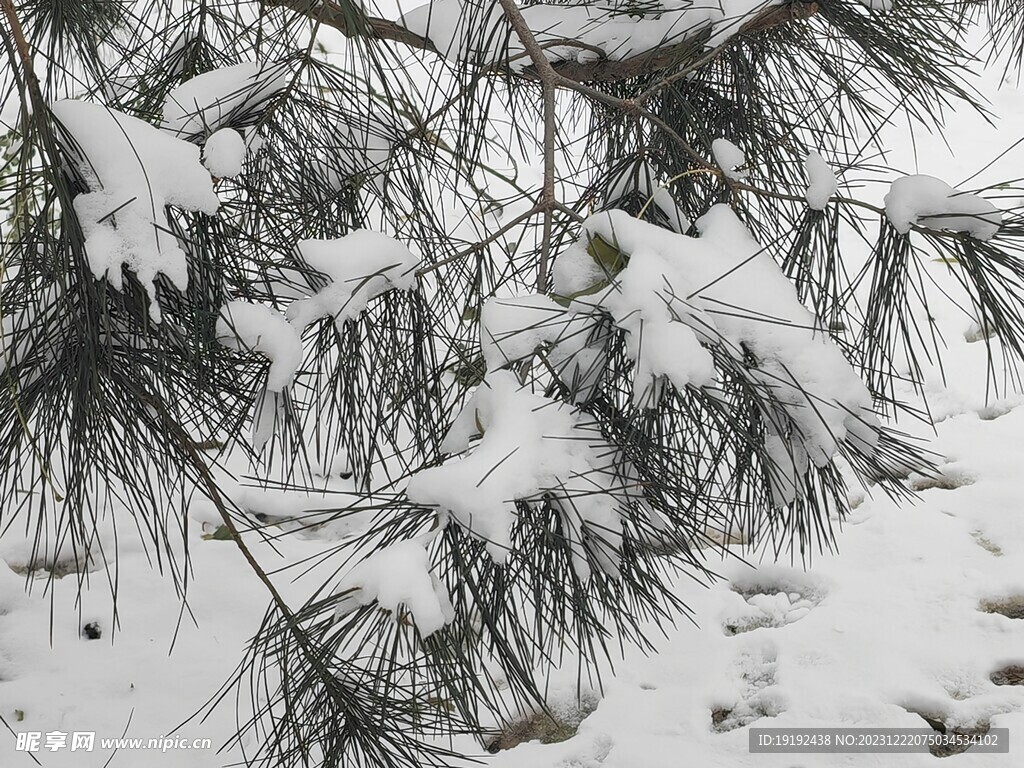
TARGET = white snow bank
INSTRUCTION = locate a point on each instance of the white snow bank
(133, 171)
(464, 30)
(729, 157)
(229, 94)
(930, 202)
(531, 446)
(259, 328)
(396, 576)
(679, 296)
(359, 267)
(224, 153)
(821, 181)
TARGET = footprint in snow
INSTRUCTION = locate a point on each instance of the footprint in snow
(946, 478)
(1011, 607)
(757, 673)
(771, 605)
(1012, 674)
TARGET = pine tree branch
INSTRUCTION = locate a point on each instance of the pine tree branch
(548, 79)
(347, 21)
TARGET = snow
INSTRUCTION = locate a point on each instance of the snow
(892, 621)
(224, 153)
(462, 30)
(398, 577)
(229, 95)
(679, 296)
(512, 328)
(729, 157)
(530, 446)
(642, 179)
(359, 266)
(931, 203)
(259, 328)
(133, 171)
(821, 181)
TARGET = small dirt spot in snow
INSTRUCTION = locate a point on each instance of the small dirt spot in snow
(1011, 675)
(946, 479)
(558, 724)
(938, 724)
(994, 411)
(987, 544)
(1010, 607)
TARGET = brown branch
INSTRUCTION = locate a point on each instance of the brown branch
(333, 15)
(603, 70)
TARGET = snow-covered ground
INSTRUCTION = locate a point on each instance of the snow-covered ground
(902, 622)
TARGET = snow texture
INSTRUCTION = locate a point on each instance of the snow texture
(530, 446)
(227, 96)
(821, 181)
(398, 577)
(679, 296)
(729, 157)
(462, 30)
(931, 203)
(259, 328)
(133, 172)
(224, 153)
(359, 267)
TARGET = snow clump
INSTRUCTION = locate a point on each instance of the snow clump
(359, 267)
(224, 153)
(930, 202)
(531, 447)
(133, 171)
(229, 95)
(259, 328)
(729, 157)
(821, 181)
(399, 575)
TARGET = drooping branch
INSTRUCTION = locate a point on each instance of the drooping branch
(651, 61)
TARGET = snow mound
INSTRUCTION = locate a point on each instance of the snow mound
(229, 95)
(259, 328)
(359, 267)
(821, 181)
(133, 171)
(462, 30)
(729, 157)
(224, 153)
(397, 576)
(930, 202)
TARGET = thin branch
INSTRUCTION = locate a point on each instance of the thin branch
(548, 79)
(603, 70)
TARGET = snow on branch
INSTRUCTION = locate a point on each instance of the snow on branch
(531, 448)
(228, 96)
(359, 266)
(398, 577)
(931, 203)
(259, 328)
(133, 171)
(585, 43)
